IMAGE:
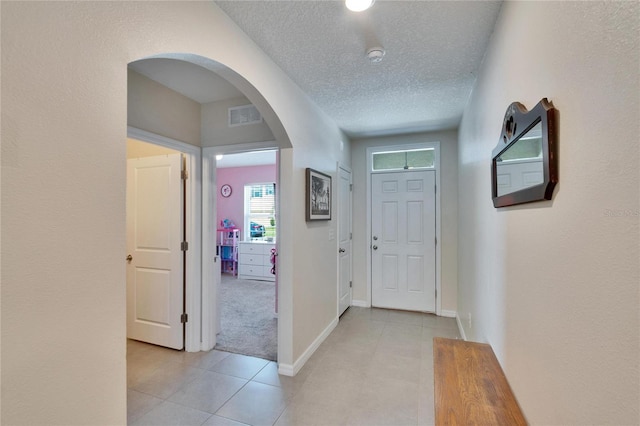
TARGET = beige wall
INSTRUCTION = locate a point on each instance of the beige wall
(64, 126)
(553, 285)
(158, 109)
(216, 131)
(449, 210)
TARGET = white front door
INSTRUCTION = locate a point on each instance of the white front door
(155, 281)
(344, 240)
(403, 223)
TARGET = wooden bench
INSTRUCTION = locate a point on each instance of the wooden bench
(470, 387)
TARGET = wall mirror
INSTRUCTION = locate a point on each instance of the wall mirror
(524, 163)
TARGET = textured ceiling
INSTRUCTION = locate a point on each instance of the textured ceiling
(433, 50)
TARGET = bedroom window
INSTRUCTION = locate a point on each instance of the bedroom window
(260, 211)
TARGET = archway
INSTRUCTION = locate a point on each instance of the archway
(201, 296)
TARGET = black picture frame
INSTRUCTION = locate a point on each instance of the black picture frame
(317, 195)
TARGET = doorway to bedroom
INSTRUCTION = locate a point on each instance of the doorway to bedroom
(246, 239)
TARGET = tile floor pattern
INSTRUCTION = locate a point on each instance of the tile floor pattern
(376, 368)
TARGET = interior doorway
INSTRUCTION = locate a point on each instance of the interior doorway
(246, 245)
(144, 145)
(161, 272)
(345, 237)
(155, 260)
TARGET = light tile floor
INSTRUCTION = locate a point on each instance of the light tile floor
(376, 368)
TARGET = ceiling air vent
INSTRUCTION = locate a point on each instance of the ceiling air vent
(243, 115)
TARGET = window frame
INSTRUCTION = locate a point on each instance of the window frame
(406, 167)
(247, 216)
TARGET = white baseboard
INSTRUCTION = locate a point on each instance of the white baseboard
(360, 303)
(448, 314)
(292, 370)
(460, 329)
(285, 369)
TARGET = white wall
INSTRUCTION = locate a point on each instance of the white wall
(553, 286)
(64, 127)
(448, 198)
(216, 130)
(316, 255)
(158, 109)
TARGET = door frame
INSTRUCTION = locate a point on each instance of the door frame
(372, 150)
(347, 169)
(210, 270)
(193, 221)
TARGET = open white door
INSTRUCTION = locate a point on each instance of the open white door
(344, 240)
(403, 257)
(155, 261)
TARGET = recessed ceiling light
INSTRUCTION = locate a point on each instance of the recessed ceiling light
(358, 5)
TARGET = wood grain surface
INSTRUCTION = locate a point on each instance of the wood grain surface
(470, 387)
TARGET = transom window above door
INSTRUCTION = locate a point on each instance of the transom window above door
(404, 160)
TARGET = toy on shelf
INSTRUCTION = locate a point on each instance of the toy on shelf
(228, 249)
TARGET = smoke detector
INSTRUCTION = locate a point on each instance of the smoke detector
(375, 54)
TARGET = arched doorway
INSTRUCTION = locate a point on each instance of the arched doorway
(201, 285)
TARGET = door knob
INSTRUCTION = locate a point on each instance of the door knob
(375, 238)
(341, 250)
(375, 247)
(129, 258)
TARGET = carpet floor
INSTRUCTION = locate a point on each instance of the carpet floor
(248, 322)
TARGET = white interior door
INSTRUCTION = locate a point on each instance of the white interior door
(403, 240)
(155, 281)
(344, 240)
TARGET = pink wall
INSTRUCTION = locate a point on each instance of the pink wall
(232, 207)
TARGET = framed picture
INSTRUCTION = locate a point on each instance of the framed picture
(318, 195)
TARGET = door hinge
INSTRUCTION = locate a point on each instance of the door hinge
(184, 175)
(351, 235)
(350, 284)
(435, 189)
(184, 246)
(436, 239)
(184, 318)
(436, 293)
(350, 187)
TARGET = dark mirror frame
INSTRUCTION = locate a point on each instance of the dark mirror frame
(517, 122)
